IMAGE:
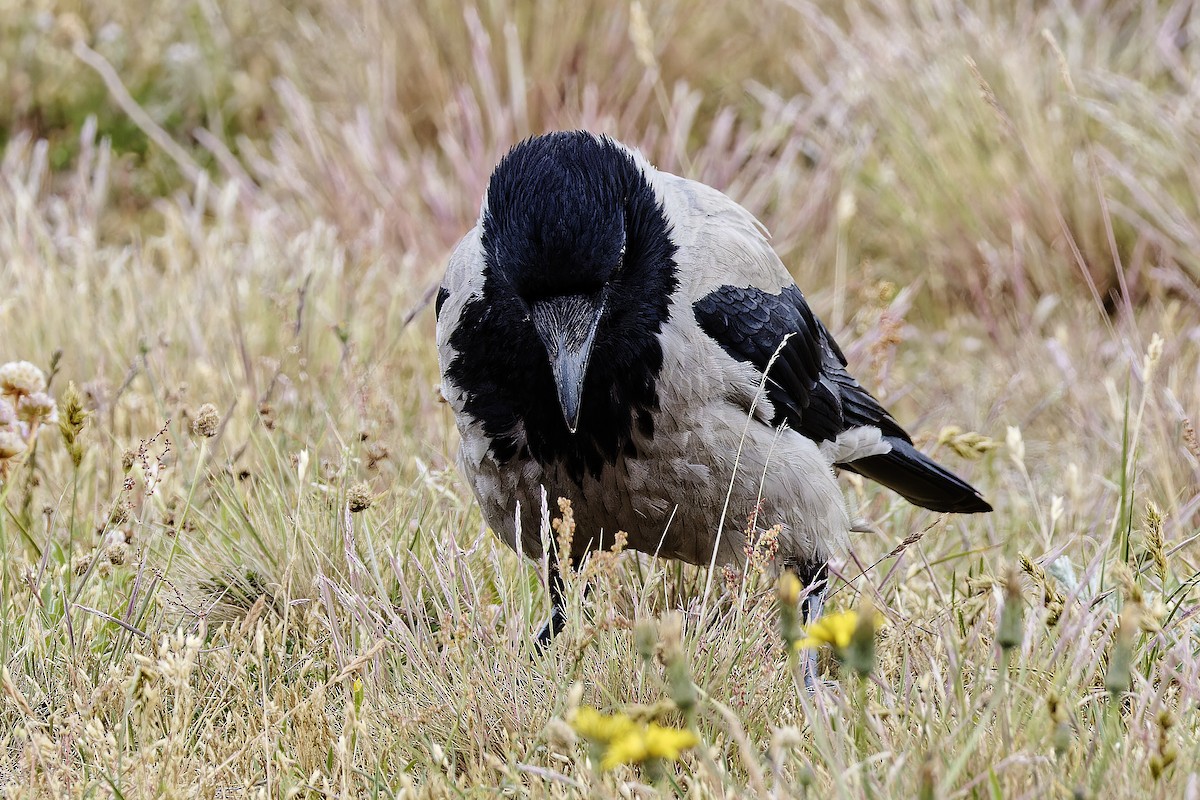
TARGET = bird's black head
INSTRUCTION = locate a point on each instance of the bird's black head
(556, 217)
(579, 271)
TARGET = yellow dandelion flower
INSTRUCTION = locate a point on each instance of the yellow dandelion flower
(668, 743)
(624, 741)
(628, 749)
(590, 723)
(831, 629)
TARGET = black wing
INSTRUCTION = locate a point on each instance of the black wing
(807, 383)
(811, 391)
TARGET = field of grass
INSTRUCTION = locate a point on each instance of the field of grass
(241, 562)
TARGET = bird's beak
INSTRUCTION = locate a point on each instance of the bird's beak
(567, 326)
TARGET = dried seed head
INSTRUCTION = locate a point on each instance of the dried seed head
(967, 444)
(564, 526)
(1190, 440)
(207, 421)
(20, 378)
(10, 444)
(1052, 598)
(37, 407)
(359, 497)
(266, 413)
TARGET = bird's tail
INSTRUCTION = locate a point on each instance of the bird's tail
(919, 479)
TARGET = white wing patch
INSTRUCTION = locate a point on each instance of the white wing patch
(855, 443)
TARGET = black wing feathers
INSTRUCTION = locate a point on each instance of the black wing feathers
(812, 392)
(807, 383)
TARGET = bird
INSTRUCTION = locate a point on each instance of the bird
(628, 339)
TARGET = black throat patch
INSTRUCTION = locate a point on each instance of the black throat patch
(560, 208)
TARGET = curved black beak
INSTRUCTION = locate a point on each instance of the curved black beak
(567, 327)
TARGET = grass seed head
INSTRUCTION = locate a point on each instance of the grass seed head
(1168, 751)
(1154, 541)
(1052, 598)
(642, 37)
(71, 421)
(966, 444)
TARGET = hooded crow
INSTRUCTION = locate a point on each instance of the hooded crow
(628, 339)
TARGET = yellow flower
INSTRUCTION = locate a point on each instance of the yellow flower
(834, 629)
(591, 723)
(625, 741)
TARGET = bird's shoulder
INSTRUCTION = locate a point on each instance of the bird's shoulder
(462, 281)
(719, 242)
(746, 303)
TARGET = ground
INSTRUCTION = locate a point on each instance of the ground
(241, 561)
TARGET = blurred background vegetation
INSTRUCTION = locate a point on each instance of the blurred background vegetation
(999, 151)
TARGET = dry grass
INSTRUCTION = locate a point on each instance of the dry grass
(995, 206)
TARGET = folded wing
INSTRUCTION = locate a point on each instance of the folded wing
(811, 391)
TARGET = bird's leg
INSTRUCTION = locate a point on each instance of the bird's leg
(814, 575)
(558, 612)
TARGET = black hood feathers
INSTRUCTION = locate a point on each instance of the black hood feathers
(567, 215)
